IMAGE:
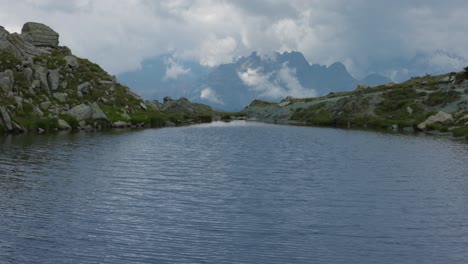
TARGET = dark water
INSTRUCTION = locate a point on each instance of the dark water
(233, 193)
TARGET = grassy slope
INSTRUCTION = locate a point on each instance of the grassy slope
(406, 105)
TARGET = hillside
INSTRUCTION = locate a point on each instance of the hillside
(429, 103)
(43, 86)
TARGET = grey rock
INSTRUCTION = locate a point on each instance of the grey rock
(167, 99)
(96, 112)
(440, 117)
(41, 75)
(409, 110)
(133, 94)
(143, 106)
(35, 84)
(79, 94)
(18, 102)
(103, 82)
(169, 124)
(120, 124)
(63, 125)
(153, 105)
(125, 116)
(7, 81)
(361, 87)
(17, 127)
(84, 88)
(38, 112)
(61, 97)
(40, 35)
(80, 112)
(40, 130)
(63, 84)
(55, 110)
(28, 74)
(72, 61)
(53, 79)
(45, 105)
(82, 124)
(5, 119)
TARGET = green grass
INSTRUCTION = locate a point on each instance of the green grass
(441, 98)
(460, 132)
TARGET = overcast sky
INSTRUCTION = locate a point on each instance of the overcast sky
(363, 34)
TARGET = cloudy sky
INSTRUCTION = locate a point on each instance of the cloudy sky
(366, 35)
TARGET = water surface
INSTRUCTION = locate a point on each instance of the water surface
(233, 193)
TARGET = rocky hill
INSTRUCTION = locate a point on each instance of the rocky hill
(429, 103)
(43, 86)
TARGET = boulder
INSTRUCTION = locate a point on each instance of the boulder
(361, 87)
(28, 74)
(41, 75)
(143, 106)
(96, 112)
(409, 110)
(167, 99)
(80, 112)
(72, 61)
(84, 88)
(38, 112)
(152, 104)
(63, 125)
(40, 35)
(45, 105)
(7, 81)
(169, 124)
(120, 124)
(61, 97)
(125, 116)
(53, 79)
(441, 117)
(5, 119)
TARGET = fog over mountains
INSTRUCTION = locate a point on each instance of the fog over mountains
(233, 86)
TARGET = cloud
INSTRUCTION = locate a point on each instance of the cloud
(174, 70)
(365, 33)
(210, 95)
(275, 85)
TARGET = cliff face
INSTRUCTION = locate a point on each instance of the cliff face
(44, 86)
(422, 103)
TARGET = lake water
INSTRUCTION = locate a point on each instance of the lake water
(233, 193)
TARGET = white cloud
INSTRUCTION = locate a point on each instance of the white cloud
(174, 70)
(366, 32)
(275, 85)
(210, 95)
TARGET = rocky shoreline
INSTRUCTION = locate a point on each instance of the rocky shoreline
(44, 87)
(433, 104)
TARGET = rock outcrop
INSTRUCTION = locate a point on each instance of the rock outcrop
(40, 35)
(46, 87)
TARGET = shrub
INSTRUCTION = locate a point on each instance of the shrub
(460, 132)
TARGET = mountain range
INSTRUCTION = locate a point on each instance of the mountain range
(232, 86)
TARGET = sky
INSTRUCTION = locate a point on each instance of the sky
(388, 37)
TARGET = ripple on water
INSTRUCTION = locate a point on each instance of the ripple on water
(236, 192)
